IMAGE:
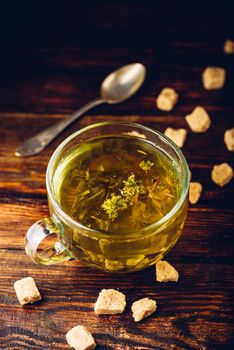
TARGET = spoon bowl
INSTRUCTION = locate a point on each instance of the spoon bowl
(123, 83)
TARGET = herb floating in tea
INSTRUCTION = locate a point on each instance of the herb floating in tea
(121, 202)
(146, 165)
(118, 184)
(113, 205)
(132, 188)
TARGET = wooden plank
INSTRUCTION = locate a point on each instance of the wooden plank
(190, 313)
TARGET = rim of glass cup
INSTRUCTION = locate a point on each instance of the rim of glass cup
(78, 225)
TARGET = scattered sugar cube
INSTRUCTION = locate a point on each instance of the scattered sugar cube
(229, 139)
(213, 78)
(143, 308)
(228, 47)
(110, 301)
(195, 190)
(26, 291)
(165, 272)
(199, 120)
(167, 99)
(176, 135)
(80, 338)
(222, 174)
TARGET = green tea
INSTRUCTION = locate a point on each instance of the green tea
(118, 184)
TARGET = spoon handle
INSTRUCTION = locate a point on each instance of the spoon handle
(37, 143)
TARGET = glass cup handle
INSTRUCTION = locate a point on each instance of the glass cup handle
(40, 234)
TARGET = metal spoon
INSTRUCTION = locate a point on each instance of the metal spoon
(117, 87)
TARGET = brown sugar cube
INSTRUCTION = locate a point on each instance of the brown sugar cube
(110, 301)
(213, 78)
(165, 272)
(26, 291)
(195, 190)
(198, 120)
(228, 47)
(143, 308)
(167, 99)
(176, 135)
(80, 338)
(229, 139)
(222, 174)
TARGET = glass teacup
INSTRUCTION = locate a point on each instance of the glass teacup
(60, 237)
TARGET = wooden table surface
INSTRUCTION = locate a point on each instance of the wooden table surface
(53, 57)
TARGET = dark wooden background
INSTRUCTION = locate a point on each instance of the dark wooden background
(53, 57)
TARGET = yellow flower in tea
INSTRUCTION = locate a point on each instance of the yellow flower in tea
(129, 194)
(131, 188)
(146, 165)
(114, 205)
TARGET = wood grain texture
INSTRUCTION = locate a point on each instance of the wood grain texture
(53, 58)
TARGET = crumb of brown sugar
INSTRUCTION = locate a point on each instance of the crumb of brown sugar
(195, 190)
(80, 338)
(143, 308)
(165, 272)
(110, 301)
(213, 78)
(222, 174)
(27, 291)
(176, 135)
(167, 99)
(199, 120)
(229, 139)
(228, 47)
